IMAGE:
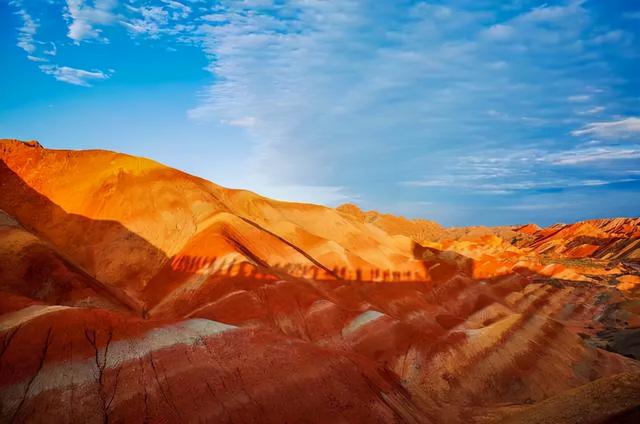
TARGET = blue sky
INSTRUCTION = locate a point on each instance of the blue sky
(465, 111)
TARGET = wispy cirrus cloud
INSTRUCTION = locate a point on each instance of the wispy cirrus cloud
(592, 111)
(536, 169)
(74, 76)
(430, 72)
(505, 187)
(27, 31)
(595, 155)
(619, 129)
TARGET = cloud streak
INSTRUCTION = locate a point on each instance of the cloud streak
(74, 76)
(622, 128)
(27, 31)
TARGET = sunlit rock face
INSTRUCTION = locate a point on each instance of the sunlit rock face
(133, 292)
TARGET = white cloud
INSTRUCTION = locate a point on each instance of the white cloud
(499, 32)
(37, 50)
(74, 76)
(507, 187)
(308, 71)
(623, 128)
(171, 18)
(592, 111)
(83, 18)
(52, 51)
(28, 29)
(577, 98)
(353, 79)
(549, 14)
(179, 10)
(151, 22)
(500, 173)
(585, 156)
(244, 122)
(214, 17)
(609, 37)
(36, 58)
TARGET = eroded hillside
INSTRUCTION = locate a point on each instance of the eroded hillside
(133, 292)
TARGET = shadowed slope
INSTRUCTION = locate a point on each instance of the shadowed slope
(86, 242)
(32, 268)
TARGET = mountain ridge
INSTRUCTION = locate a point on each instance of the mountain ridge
(134, 292)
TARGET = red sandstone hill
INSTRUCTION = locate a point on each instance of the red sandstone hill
(610, 239)
(133, 292)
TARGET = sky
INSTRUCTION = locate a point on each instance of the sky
(467, 112)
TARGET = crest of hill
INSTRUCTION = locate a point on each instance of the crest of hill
(422, 230)
(417, 229)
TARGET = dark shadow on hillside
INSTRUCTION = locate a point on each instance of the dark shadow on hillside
(182, 270)
(83, 242)
(435, 263)
(78, 239)
(442, 265)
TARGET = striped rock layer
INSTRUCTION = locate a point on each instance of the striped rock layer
(133, 292)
